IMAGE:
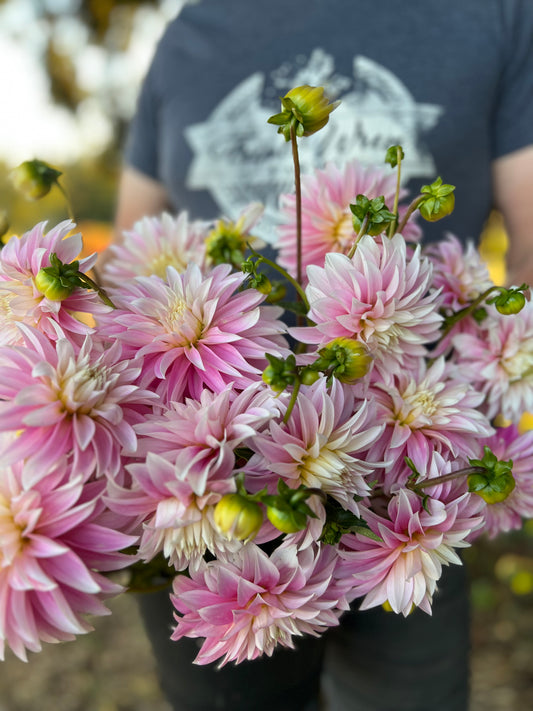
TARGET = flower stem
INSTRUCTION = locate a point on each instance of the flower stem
(427, 483)
(298, 195)
(284, 273)
(458, 315)
(292, 401)
(412, 207)
(392, 226)
(101, 292)
(63, 191)
(360, 234)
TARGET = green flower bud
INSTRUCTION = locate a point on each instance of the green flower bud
(304, 107)
(34, 178)
(238, 517)
(309, 375)
(286, 520)
(495, 482)
(277, 292)
(375, 212)
(439, 202)
(492, 489)
(52, 286)
(393, 154)
(280, 373)
(344, 358)
(510, 302)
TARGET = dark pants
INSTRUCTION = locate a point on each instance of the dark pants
(375, 661)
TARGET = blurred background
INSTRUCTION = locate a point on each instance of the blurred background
(70, 71)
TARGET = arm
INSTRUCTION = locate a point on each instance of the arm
(512, 176)
(138, 196)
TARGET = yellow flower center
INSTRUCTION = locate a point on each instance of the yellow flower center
(159, 263)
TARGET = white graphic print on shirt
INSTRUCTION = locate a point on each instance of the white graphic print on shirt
(239, 158)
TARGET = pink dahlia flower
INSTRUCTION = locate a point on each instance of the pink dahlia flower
(209, 430)
(246, 605)
(20, 301)
(425, 409)
(155, 243)
(498, 360)
(323, 445)
(54, 545)
(378, 297)
(175, 519)
(415, 538)
(196, 331)
(326, 216)
(65, 402)
(507, 515)
(458, 271)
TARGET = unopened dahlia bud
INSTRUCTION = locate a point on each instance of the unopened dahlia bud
(374, 214)
(52, 286)
(344, 358)
(238, 517)
(227, 242)
(511, 301)
(34, 178)
(304, 107)
(286, 519)
(494, 482)
(287, 510)
(439, 202)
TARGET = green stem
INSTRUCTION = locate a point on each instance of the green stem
(284, 273)
(292, 402)
(298, 195)
(101, 292)
(412, 207)
(361, 232)
(458, 315)
(428, 483)
(62, 190)
(392, 226)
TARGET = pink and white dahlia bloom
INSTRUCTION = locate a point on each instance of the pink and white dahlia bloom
(379, 297)
(209, 430)
(175, 519)
(155, 243)
(326, 216)
(54, 545)
(196, 331)
(20, 301)
(61, 401)
(247, 604)
(498, 360)
(508, 444)
(424, 409)
(458, 271)
(415, 539)
(323, 445)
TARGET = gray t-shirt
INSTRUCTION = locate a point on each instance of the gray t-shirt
(451, 81)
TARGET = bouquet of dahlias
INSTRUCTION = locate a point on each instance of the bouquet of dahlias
(175, 425)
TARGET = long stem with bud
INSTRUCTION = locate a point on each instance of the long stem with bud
(292, 401)
(392, 226)
(458, 315)
(360, 234)
(435, 481)
(412, 207)
(284, 273)
(298, 196)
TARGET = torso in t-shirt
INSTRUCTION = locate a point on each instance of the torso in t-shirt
(451, 82)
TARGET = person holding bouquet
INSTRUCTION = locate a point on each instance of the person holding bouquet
(452, 84)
